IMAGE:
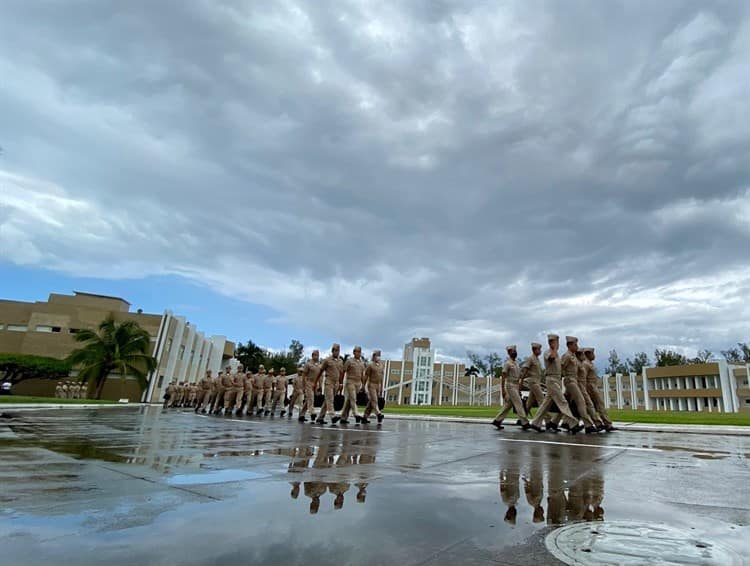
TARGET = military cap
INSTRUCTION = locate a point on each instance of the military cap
(569, 339)
(536, 345)
(552, 337)
(511, 347)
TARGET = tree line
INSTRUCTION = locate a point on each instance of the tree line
(253, 356)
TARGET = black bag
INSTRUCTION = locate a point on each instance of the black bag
(381, 403)
(286, 401)
(338, 402)
(362, 399)
(167, 396)
(318, 400)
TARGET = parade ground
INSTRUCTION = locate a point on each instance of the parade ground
(140, 485)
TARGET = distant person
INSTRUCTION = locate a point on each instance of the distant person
(554, 395)
(169, 393)
(58, 390)
(65, 391)
(569, 366)
(592, 386)
(531, 377)
(310, 378)
(260, 389)
(582, 371)
(338, 489)
(227, 386)
(279, 390)
(297, 392)
(510, 384)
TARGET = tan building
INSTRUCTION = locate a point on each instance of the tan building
(715, 386)
(47, 328)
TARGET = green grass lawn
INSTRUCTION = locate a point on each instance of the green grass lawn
(657, 417)
(16, 399)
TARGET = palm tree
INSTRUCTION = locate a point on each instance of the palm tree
(115, 347)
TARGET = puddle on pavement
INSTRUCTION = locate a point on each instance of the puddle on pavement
(220, 476)
(709, 456)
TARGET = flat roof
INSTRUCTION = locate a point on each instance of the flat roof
(101, 296)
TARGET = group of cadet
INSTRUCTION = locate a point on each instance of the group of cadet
(260, 394)
(70, 390)
(572, 389)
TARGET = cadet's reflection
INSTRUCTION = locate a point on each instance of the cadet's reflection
(344, 461)
(580, 500)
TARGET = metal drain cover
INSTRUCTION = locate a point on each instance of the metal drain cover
(624, 543)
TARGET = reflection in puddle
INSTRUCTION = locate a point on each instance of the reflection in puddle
(220, 476)
(317, 489)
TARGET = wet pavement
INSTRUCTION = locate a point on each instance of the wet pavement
(136, 485)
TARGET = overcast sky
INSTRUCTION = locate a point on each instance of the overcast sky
(480, 173)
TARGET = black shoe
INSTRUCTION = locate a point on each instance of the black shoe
(334, 420)
(565, 426)
(358, 419)
(550, 427)
(600, 427)
(320, 421)
(380, 418)
(365, 421)
(302, 419)
(576, 429)
(591, 430)
(536, 428)
(526, 426)
(259, 413)
(267, 413)
(610, 429)
(341, 421)
(498, 425)
(313, 416)
(283, 413)
(196, 410)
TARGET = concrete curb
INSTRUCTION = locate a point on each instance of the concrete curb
(634, 427)
(35, 406)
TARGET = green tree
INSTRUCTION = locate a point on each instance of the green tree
(738, 355)
(614, 365)
(251, 355)
(296, 349)
(19, 367)
(114, 347)
(702, 357)
(669, 358)
(640, 360)
(488, 364)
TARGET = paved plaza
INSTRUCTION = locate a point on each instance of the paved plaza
(138, 485)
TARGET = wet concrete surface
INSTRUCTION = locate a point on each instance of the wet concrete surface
(140, 485)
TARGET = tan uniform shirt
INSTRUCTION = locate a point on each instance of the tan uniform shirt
(374, 373)
(533, 369)
(592, 377)
(238, 381)
(512, 372)
(268, 381)
(258, 382)
(569, 366)
(311, 372)
(581, 373)
(297, 383)
(355, 370)
(552, 368)
(332, 368)
(227, 381)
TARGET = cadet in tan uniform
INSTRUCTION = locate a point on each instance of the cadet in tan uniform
(247, 393)
(58, 390)
(269, 379)
(373, 382)
(278, 385)
(354, 370)
(259, 384)
(531, 376)
(569, 367)
(332, 367)
(511, 377)
(310, 377)
(218, 395)
(582, 371)
(227, 385)
(204, 392)
(592, 386)
(553, 376)
(169, 394)
(234, 399)
(297, 392)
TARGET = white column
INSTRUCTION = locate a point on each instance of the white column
(217, 353)
(386, 382)
(646, 401)
(633, 391)
(205, 351)
(605, 387)
(401, 382)
(442, 375)
(455, 386)
(728, 387)
(618, 390)
(182, 365)
(161, 340)
(174, 353)
(195, 360)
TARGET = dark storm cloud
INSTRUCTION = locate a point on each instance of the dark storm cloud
(378, 170)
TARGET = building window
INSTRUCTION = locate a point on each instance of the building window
(74, 330)
(17, 328)
(395, 372)
(2, 326)
(169, 345)
(182, 351)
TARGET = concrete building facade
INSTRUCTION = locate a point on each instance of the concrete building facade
(48, 328)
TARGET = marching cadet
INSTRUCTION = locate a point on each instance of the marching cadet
(569, 367)
(582, 371)
(259, 385)
(74, 390)
(58, 390)
(374, 383)
(553, 376)
(338, 489)
(84, 390)
(247, 393)
(169, 393)
(278, 385)
(297, 392)
(269, 379)
(310, 376)
(65, 390)
(531, 376)
(204, 392)
(235, 393)
(227, 383)
(510, 385)
(332, 367)
(354, 370)
(592, 386)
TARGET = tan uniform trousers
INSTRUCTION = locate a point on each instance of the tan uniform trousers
(590, 410)
(350, 400)
(205, 399)
(218, 402)
(230, 398)
(252, 400)
(308, 403)
(555, 395)
(328, 391)
(598, 401)
(372, 405)
(276, 396)
(296, 394)
(512, 402)
(574, 392)
(536, 395)
(264, 398)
